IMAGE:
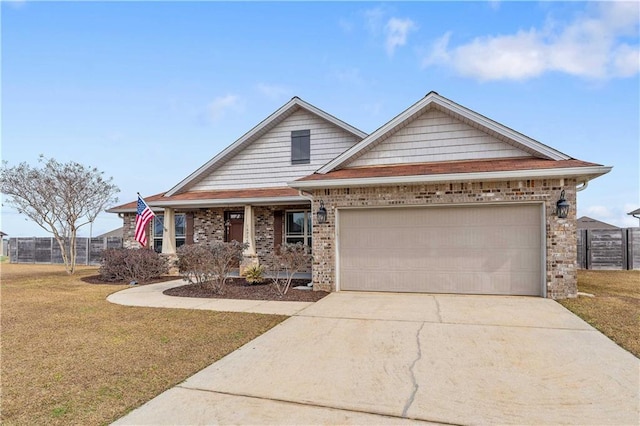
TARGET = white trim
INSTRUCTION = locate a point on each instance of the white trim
(517, 139)
(591, 171)
(230, 201)
(543, 247)
(250, 136)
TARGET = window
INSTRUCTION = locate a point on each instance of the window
(298, 227)
(181, 230)
(300, 146)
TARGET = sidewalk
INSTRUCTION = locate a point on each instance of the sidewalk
(151, 296)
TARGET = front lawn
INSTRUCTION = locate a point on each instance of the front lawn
(70, 357)
(615, 309)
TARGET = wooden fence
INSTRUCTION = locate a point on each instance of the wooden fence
(609, 248)
(47, 250)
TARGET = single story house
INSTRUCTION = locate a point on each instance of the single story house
(586, 222)
(439, 200)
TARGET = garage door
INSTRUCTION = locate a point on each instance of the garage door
(468, 250)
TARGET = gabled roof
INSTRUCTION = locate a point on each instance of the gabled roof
(264, 126)
(636, 211)
(586, 222)
(434, 100)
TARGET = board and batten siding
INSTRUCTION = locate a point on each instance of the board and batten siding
(436, 136)
(267, 161)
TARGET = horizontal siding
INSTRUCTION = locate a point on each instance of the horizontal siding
(436, 136)
(267, 161)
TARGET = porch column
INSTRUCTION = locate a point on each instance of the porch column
(249, 232)
(169, 232)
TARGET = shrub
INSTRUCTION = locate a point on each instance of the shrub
(209, 264)
(283, 265)
(253, 274)
(128, 265)
(194, 263)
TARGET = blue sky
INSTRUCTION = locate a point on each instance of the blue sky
(149, 91)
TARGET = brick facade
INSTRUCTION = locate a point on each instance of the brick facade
(561, 237)
(561, 278)
(208, 226)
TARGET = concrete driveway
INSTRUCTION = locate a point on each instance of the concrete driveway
(372, 358)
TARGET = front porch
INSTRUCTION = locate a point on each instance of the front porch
(263, 228)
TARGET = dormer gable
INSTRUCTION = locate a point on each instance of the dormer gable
(273, 152)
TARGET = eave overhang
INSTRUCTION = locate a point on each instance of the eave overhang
(221, 198)
(581, 174)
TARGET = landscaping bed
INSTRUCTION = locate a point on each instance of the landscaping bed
(238, 288)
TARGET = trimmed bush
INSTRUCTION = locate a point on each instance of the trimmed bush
(141, 265)
(194, 263)
(209, 264)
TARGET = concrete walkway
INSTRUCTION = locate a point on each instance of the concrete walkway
(151, 296)
(372, 358)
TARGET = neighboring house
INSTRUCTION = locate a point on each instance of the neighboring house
(3, 249)
(115, 233)
(440, 199)
(586, 222)
(635, 213)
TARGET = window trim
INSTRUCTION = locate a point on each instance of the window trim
(307, 228)
(181, 239)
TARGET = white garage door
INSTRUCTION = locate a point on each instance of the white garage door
(469, 250)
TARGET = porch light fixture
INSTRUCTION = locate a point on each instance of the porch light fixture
(562, 207)
(322, 213)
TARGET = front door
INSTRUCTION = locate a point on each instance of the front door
(234, 226)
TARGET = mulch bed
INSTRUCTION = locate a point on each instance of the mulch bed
(238, 288)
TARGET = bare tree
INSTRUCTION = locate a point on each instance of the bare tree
(284, 265)
(59, 197)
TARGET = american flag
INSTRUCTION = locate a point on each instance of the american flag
(143, 217)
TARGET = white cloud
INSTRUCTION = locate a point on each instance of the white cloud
(220, 105)
(374, 18)
(592, 46)
(494, 4)
(273, 91)
(396, 31)
(601, 212)
(614, 215)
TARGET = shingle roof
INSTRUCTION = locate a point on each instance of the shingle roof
(436, 168)
(211, 196)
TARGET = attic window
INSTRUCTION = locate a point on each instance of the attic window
(300, 146)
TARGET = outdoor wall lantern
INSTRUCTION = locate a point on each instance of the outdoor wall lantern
(322, 213)
(562, 207)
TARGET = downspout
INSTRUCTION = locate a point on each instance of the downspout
(583, 186)
(307, 195)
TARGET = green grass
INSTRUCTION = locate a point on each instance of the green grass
(71, 357)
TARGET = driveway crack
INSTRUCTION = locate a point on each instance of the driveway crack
(438, 309)
(409, 402)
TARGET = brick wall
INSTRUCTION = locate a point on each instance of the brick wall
(208, 226)
(561, 279)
